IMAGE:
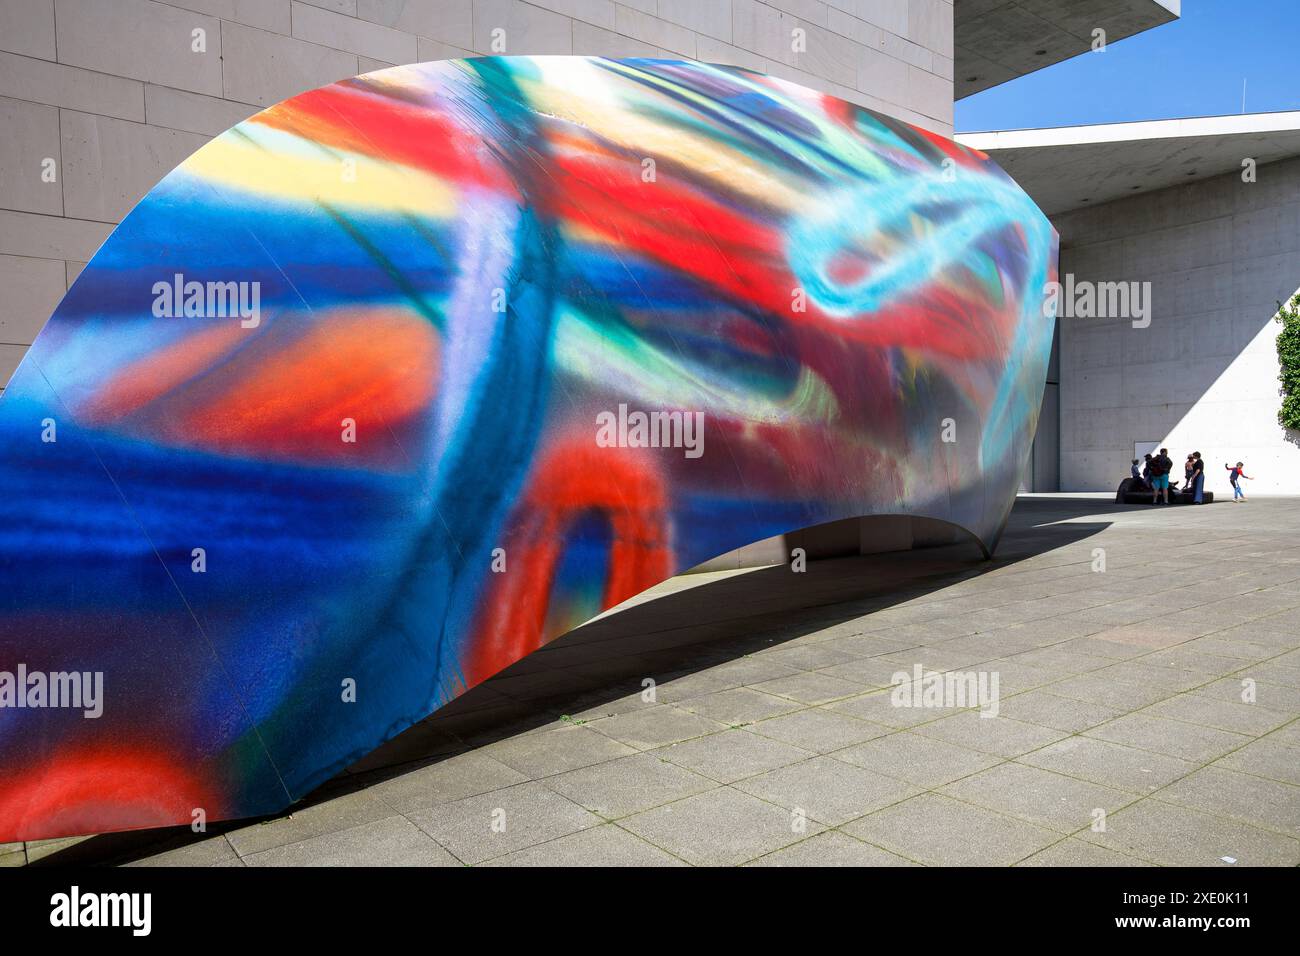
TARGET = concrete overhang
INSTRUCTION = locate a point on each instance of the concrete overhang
(1069, 167)
(999, 40)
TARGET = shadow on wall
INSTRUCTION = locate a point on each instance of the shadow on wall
(1202, 375)
(1236, 420)
(685, 626)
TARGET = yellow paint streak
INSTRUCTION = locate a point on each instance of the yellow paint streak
(281, 166)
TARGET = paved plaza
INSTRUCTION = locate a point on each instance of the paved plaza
(1148, 675)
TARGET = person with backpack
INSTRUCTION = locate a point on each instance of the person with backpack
(1236, 473)
(1161, 465)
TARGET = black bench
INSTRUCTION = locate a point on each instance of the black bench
(1130, 494)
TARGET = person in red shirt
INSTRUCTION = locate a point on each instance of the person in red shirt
(1236, 472)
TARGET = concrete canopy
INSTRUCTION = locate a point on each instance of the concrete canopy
(1069, 167)
(999, 40)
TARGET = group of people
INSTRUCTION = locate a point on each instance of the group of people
(1154, 474)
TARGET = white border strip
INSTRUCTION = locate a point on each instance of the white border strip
(1288, 121)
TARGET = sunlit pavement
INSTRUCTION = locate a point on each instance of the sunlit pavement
(749, 718)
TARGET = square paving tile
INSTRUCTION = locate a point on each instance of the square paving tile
(831, 848)
(1056, 631)
(732, 755)
(1017, 678)
(594, 706)
(1109, 692)
(750, 670)
(1259, 802)
(1109, 764)
(995, 735)
(818, 730)
(1104, 643)
(301, 823)
(1277, 672)
(1246, 651)
(809, 688)
(940, 831)
(807, 657)
(393, 841)
(1144, 673)
(671, 690)
(208, 852)
(555, 751)
(922, 761)
(740, 705)
(1074, 852)
(493, 824)
(1175, 737)
(879, 707)
(1277, 697)
(719, 828)
(606, 845)
(1201, 661)
(1046, 709)
(1038, 796)
(952, 655)
(869, 672)
(1118, 614)
(1177, 836)
(628, 785)
(827, 790)
(452, 779)
(656, 726)
(866, 646)
(1271, 757)
(1235, 716)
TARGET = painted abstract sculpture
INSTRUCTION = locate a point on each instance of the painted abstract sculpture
(402, 378)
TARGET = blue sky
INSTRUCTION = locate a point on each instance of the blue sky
(1193, 66)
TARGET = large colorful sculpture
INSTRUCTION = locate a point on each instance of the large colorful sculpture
(404, 377)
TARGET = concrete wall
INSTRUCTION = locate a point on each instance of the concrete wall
(1042, 471)
(1219, 254)
(114, 95)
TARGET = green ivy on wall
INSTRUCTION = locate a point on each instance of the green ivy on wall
(1288, 354)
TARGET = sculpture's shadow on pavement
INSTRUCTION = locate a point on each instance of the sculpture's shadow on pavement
(686, 625)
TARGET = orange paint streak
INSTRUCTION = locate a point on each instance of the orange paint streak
(165, 371)
(376, 368)
(287, 389)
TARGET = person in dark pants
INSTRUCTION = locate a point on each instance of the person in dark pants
(1198, 479)
(1138, 482)
(1189, 469)
(1161, 465)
